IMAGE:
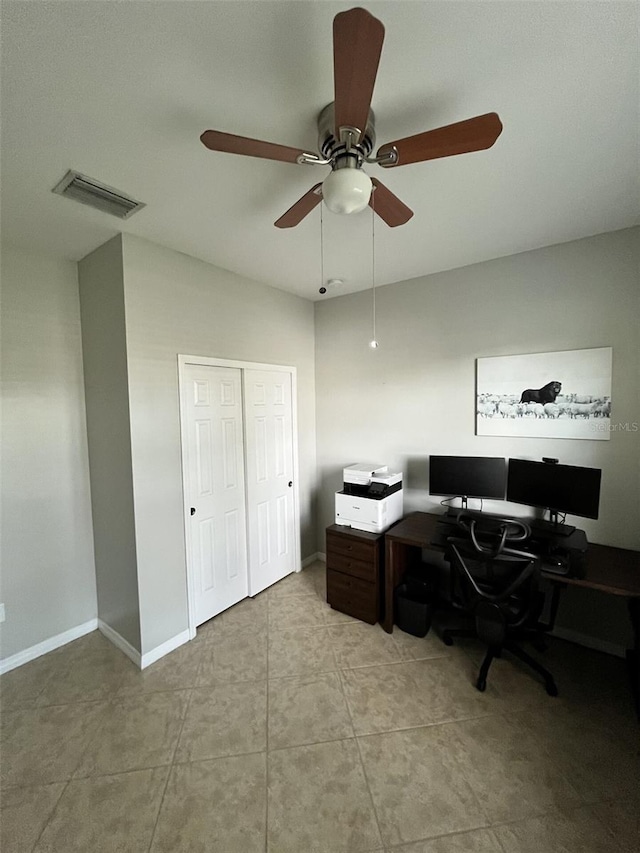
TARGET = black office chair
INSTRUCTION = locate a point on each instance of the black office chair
(498, 586)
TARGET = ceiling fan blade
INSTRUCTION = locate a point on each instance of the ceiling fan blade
(231, 144)
(301, 208)
(357, 45)
(388, 206)
(474, 134)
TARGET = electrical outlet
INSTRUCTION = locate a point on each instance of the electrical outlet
(1, 612)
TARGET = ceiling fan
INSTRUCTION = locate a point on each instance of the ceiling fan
(346, 129)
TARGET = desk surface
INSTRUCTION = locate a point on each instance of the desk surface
(612, 570)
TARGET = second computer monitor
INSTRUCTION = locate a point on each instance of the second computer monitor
(468, 476)
(560, 488)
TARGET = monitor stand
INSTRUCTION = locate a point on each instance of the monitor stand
(454, 511)
(553, 526)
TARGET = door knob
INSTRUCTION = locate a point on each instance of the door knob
(193, 510)
(290, 483)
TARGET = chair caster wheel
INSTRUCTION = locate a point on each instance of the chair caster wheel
(552, 690)
(446, 639)
(481, 684)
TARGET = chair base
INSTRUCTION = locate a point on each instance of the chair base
(520, 653)
(496, 652)
(449, 633)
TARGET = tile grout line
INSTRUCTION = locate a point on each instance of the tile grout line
(606, 826)
(315, 596)
(547, 812)
(109, 700)
(411, 728)
(113, 773)
(53, 811)
(550, 759)
(390, 663)
(553, 812)
(457, 833)
(114, 702)
(308, 743)
(56, 667)
(94, 737)
(448, 722)
(396, 646)
(171, 764)
(364, 772)
(487, 824)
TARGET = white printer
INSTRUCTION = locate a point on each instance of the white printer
(371, 497)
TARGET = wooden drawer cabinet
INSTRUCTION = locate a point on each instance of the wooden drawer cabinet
(352, 596)
(355, 571)
(357, 568)
(350, 546)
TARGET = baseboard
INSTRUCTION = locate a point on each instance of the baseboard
(49, 645)
(119, 641)
(312, 559)
(589, 642)
(164, 649)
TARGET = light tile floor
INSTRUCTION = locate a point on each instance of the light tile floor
(287, 727)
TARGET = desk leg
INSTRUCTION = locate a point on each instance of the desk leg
(395, 564)
(555, 603)
(389, 586)
(633, 655)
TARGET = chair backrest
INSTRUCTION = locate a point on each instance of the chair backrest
(497, 583)
(490, 533)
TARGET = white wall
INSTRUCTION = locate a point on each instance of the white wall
(48, 581)
(109, 437)
(414, 396)
(177, 304)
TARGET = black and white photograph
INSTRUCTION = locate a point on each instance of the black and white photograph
(563, 394)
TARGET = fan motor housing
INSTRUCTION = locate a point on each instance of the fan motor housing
(341, 152)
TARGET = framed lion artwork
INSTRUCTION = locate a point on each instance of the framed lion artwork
(564, 394)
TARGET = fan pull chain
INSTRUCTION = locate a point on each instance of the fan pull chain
(321, 249)
(373, 343)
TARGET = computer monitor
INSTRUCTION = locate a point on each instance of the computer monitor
(467, 476)
(559, 488)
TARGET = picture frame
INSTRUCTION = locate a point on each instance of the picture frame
(563, 394)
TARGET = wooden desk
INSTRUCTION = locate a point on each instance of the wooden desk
(403, 547)
(615, 571)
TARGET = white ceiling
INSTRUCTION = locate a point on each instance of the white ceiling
(121, 91)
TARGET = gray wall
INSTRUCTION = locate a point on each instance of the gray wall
(176, 304)
(106, 388)
(410, 398)
(414, 396)
(48, 581)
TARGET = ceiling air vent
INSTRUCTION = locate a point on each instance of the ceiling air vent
(89, 191)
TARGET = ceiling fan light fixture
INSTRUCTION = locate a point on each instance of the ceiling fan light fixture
(346, 190)
(346, 134)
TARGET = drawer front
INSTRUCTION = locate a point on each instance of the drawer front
(350, 595)
(351, 547)
(350, 566)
